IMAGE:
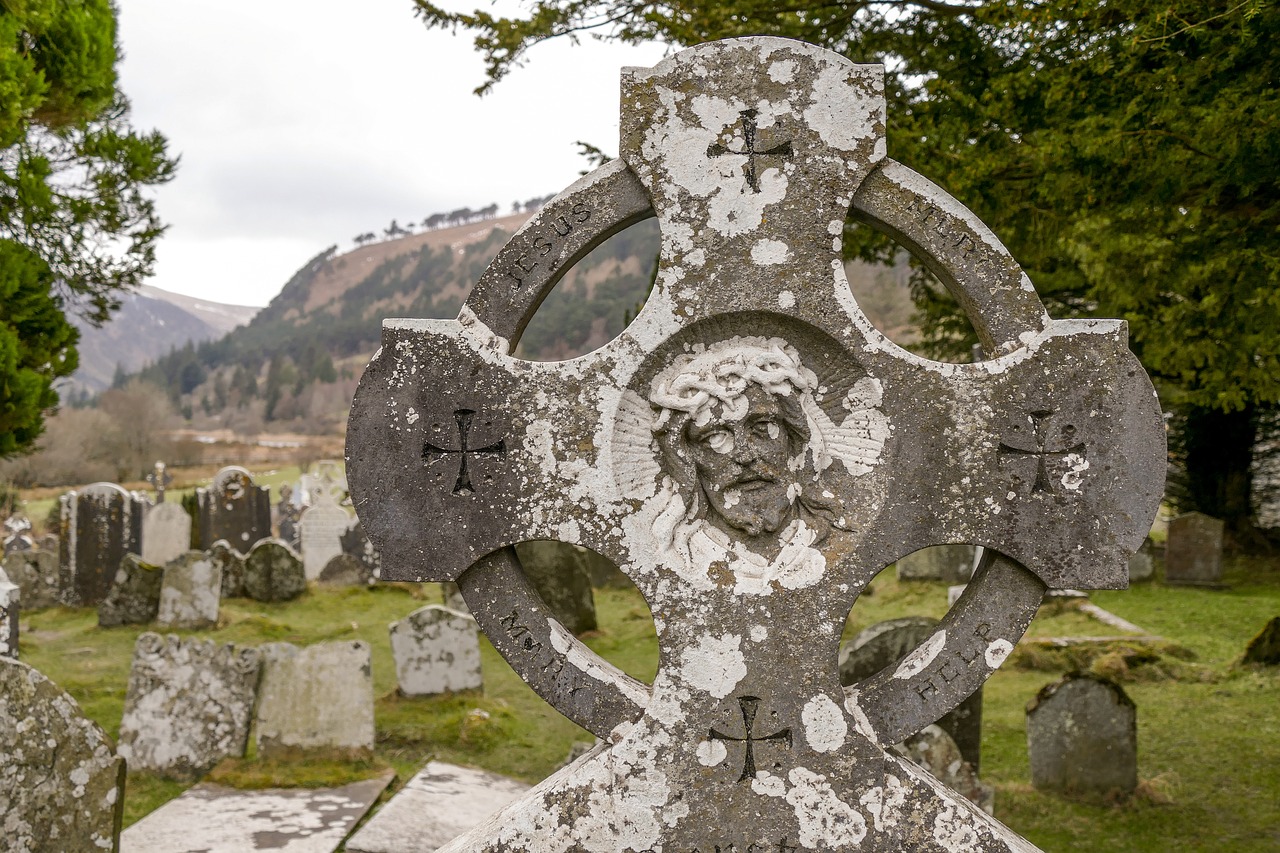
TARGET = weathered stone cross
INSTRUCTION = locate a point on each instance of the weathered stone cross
(752, 452)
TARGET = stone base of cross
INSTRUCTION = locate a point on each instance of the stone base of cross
(752, 452)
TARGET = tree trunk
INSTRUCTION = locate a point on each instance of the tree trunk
(1218, 450)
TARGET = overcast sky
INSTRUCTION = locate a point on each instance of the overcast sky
(302, 123)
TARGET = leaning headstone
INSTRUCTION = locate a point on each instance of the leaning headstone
(134, 597)
(190, 593)
(438, 804)
(318, 697)
(286, 517)
(98, 525)
(321, 525)
(436, 651)
(231, 563)
(356, 544)
(188, 706)
(1082, 737)
(61, 782)
(36, 574)
(1193, 551)
(212, 818)
(273, 572)
(346, 570)
(10, 599)
(752, 452)
(884, 646)
(166, 533)
(1265, 648)
(559, 573)
(950, 563)
(234, 508)
(1141, 564)
(935, 751)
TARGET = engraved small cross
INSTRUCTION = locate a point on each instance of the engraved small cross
(1041, 452)
(750, 705)
(750, 132)
(432, 453)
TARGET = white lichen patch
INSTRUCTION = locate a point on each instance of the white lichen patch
(786, 300)
(714, 665)
(885, 803)
(861, 724)
(1076, 466)
(711, 752)
(915, 663)
(759, 633)
(770, 252)
(824, 820)
(767, 785)
(996, 653)
(825, 727)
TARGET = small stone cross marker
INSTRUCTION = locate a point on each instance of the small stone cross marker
(750, 706)
(750, 133)
(159, 479)
(432, 452)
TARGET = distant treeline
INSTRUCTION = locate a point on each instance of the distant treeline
(453, 218)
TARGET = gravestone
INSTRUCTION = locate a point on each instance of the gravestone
(883, 646)
(453, 597)
(273, 572)
(286, 517)
(318, 697)
(61, 782)
(188, 706)
(98, 525)
(160, 480)
(166, 533)
(17, 534)
(36, 574)
(346, 570)
(134, 597)
(935, 751)
(1265, 648)
(439, 803)
(356, 544)
(559, 573)
(950, 563)
(1141, 564)
(233, 508)
(231, 563)
(1193, 551)
(10, 599)
(751, 452)
(1082, 737)
(190, 592)
(436, 650)
(321, 525)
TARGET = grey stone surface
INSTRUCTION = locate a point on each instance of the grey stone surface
(1082, 737)
(61, 782)
(17, 534)
(166, 533)
(188, 706)
(346, 570)
(1265, 647)
(134, 597)
(751, 452)
(190, 592)
(935, 751)
(317, 697)
(234, 508)
(453, 597)
(215, 819)
(436, 650)
(98, 525)
(357, 545)
(231, 563)
(950, 563)
(1141, 564)
(883, 646)
(1193, 550)
(273, 572)
(36, 574)
(559, 573)
(322, 525)
(10, 609)
(439, 803)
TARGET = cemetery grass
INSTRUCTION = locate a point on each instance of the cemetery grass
(1209, 737)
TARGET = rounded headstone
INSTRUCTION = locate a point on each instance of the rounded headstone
(36, 574)
(134, 597)
(273, 572)
(346, 570)
(231, 562)
(1082, 737)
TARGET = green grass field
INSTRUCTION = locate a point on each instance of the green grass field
(1209, 730)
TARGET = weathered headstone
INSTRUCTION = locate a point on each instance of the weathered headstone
(1193, 551)
(950, 563)
(883, 646)
(212, 818)
(98, 525)
(286, 517)
(191, 591)
(752, 453)
(233, 508)
(439, 803)
(10, 601)
(1141, 564)
(935, 751)
(36, 574)
(134, 597)
(355, 543)
(318, 697)
(1082, 737)
(166, 533)
(453, 597)
(559, 573)
(231, 563)
(321, 525)
(436, 650)
(346, 570)
(1265, 648)
(188, 706)
(61, 782)
(273, 572)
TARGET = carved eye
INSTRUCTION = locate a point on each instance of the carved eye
(766, 428)
(719, 440)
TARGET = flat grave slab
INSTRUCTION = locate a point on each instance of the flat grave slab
(215, 819)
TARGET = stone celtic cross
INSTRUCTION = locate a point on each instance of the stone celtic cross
(752, 452)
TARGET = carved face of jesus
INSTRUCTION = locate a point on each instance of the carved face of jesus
(741, 464)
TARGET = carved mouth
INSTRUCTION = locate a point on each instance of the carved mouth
(753, 484)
